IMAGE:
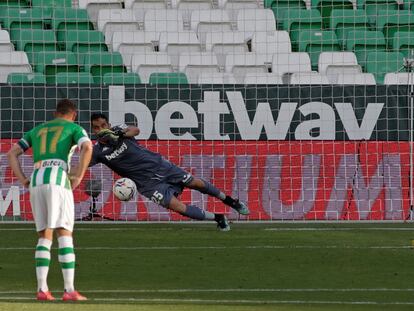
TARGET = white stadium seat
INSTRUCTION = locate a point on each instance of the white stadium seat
(129, 43)
(145, 64)
(5, 44)
(146, 4)
(111, 20)
(241, 4)
(190, 5)
(262, 78)
(226, 42)
(356, 78)
(194, 64)
(203, 21)
(174, 43)
(12, 62)
(255, 20)
(240, 64)
(269, 43)
(163, 21)
(292, 62)
(308, 78)
(216, 78)
(398, 78)
(333, 64)
(93, 6)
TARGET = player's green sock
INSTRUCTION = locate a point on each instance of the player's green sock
(42, 257)
(67, 261)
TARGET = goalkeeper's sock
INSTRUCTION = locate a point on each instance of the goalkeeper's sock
(194, 212)
(67, 261)
(229, 201)
(42, 257)
(212, 190)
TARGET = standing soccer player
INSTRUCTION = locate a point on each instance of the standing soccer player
(155, 178)
(51, 187)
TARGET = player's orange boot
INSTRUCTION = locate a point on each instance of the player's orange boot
(73, 296)
(44, 296)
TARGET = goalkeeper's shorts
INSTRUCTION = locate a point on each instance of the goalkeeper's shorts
(53, 207)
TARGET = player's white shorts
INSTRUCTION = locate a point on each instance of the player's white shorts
(53, 207)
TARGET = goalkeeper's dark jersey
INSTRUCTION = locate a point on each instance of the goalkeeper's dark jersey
(129, 159)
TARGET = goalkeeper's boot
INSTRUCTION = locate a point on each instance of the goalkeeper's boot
(73, 296)
(222, 222)
(44, 296)
(240, 207)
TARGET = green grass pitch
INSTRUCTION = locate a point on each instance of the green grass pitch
(286, 267)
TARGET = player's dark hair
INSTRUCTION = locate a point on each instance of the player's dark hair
(65, 106)
(96, 116)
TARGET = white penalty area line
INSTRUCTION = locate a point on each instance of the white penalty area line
(228, 301)
(254, 247)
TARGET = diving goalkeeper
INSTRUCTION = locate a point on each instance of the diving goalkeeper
(156, 178)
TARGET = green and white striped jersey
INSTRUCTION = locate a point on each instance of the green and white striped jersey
(53, 144)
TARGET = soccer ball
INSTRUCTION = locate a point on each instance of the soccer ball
(124, 189)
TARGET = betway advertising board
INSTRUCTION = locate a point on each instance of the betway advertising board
(310, 153)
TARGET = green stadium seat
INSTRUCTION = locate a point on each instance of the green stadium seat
(99, 64)
(372, 8)
(362, 42)
(26, 78)
(279, 6)
(14, 3)
(325, 7)
(70, 19)
(74, 78)
(296, 20)
(316, 42)
(51, 63)
(344, 21)
(403, 42)
(52, 3)
(33, 41)
(391, 22)
(121, 78)
(380, 63)
(168, 78)
(23, 18)
(83, 41)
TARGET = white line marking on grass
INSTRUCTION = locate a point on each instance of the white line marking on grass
(342, 229)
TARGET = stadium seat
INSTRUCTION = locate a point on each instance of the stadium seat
(223, 43)
(391, 22)
(14, 3)
(168, 78)
(325, 7)
(129, 43)
(240, 64)
(333, 64)
(23, 18)
(5, 44)
(194, 64)
(361, 42)
(344, 21)
(309, 77)
(175, 43)
(74, 78)
(148, 63)
(252, 21)
(51, 63)
(403, 42)
(292, 62)
(203, 21)
(163, 21)
(269, 43)
(33, 41)
(354, 79)
(191, 5)
(121, 78)
(111, 20)
(26, 78)
(372, 7)
(98, 64)
(380, 63)
(51, 3)
(93, 6)
(397, 78)
(315, 42)
(240, 4)
(216, 78)
(70, 19)
(262, 78)
(11, 62)
(146, 4)
(84, 41)
(296, 21)
(279, 6)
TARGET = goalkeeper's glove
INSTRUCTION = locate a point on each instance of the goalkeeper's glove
(119, 132)
(107, 136)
